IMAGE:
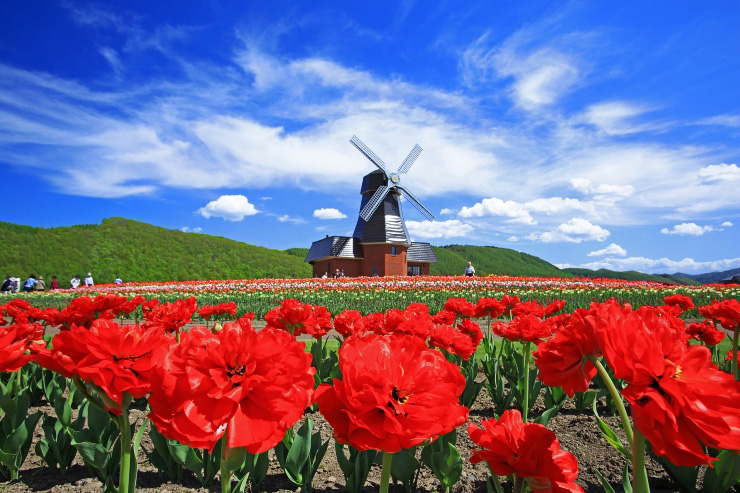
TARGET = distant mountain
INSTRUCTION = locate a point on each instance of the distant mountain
(630, 275)
(709, 277)
(137, 252)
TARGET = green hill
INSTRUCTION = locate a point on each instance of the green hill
(137, 252)
(630, 275)
(487, 260)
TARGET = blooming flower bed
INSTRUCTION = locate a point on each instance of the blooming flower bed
(223, 395)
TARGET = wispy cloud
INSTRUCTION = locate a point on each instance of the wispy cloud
(659, 265)
(451, 228)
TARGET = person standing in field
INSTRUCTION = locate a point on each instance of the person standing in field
(470, 270)
(118, 281)
(75, 282)
(89, 280)
(40, 284)
(30, 284)
(7, 285)
(54, 283)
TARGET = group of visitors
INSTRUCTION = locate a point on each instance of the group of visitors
(336, 274)
(36, 283)
(33, 283)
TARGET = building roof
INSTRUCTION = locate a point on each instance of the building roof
(733, 279)
(334, 246)
(420, 252)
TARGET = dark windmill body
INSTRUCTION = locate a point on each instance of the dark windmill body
(380, 244)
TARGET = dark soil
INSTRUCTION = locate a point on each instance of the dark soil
(577, 432)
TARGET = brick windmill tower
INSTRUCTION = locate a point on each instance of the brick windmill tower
(380, 244)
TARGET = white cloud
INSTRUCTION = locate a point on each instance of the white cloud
(329, 213)
(726, 224)
(439, 229)
(521, 213)
(687, 229)
(612, 249)
(285, 218)
(515, 211)
(659, 265)
(229, 207)
(186, 229)
(512, 238)
(720, 172)
(576, 230)
(265, 198)
(445, 212)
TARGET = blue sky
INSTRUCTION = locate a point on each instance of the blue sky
(587, 133)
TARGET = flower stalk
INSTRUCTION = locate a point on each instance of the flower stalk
(616, 397)
(734, 352)
(385, 474)
(639, 473)
(525, 392)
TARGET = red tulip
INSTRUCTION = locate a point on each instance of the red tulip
(15, 342)
(528, 450)
(395, 393)
(251, 385)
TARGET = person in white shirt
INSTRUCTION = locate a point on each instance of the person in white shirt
(89, 281)
(470, 270)
(75, 282)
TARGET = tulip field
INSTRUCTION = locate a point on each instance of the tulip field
(446, 384)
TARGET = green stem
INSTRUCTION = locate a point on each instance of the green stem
(639, 473)
(125, 426)
(525, 392)
(19, 381)
(86, 393)
(225, 471)
(518, 484)
(495, 480)
(385, 474)
(616, 397)
(734, 352)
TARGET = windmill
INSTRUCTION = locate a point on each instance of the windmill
(380, 244)
(381, 218)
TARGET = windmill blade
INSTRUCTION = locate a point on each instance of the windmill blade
(406, 164)
(377, 198)
(369, 154)
(426, 212)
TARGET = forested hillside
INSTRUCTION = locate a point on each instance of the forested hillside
(137, 252)
(630, 275)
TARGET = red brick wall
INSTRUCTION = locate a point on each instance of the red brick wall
(380, 256)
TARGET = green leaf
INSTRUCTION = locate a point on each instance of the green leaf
(604, 483)
(724, 475)
(93, 454)
(626, 484)
(610, 436)
(185, 456)
(546, 416)
(297, 458)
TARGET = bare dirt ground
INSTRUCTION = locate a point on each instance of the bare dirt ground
(577, 432)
